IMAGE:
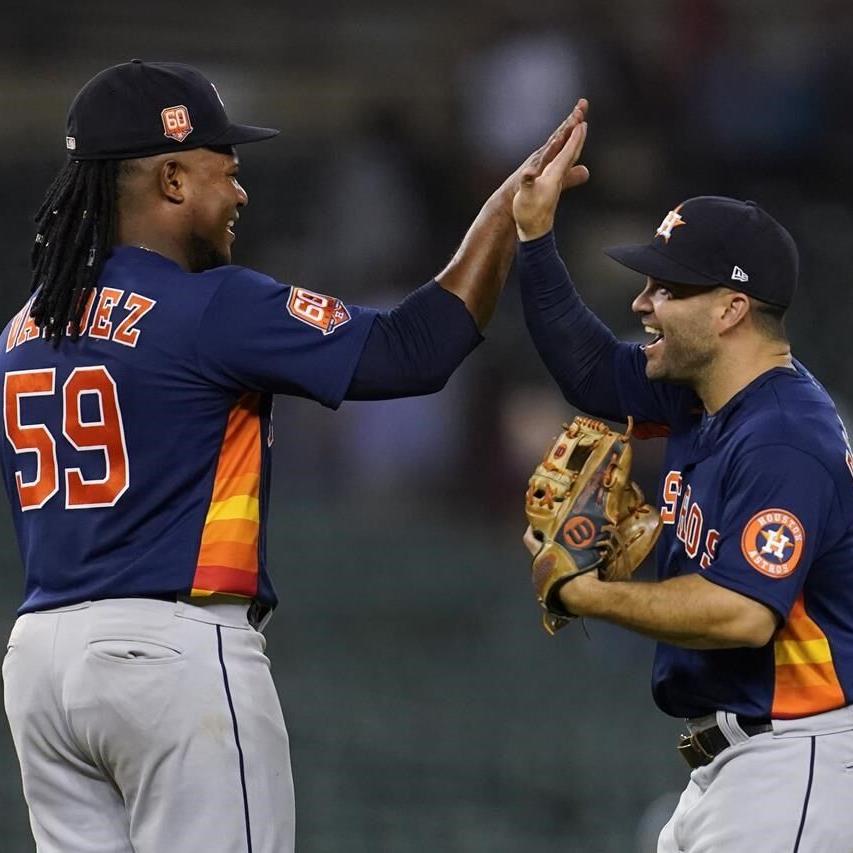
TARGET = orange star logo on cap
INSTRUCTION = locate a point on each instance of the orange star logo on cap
(671, 220)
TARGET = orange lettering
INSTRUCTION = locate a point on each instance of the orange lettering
(139, 306)
(102, 327)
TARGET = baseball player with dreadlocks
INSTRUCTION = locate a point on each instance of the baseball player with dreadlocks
(137, 401)
(753, 606)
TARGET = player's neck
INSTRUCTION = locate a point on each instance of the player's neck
(732, 372)
(143, 236)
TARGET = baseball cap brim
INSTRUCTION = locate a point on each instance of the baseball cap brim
(647, 260)
(234, 134)
(240, 134)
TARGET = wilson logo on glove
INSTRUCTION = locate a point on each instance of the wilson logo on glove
(579, 532)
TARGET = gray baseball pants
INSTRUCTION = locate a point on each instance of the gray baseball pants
(785, 791)
(148, 726)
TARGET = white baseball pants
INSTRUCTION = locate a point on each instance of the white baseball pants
(148, 726)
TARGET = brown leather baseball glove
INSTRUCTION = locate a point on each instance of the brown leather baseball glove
(587, 513)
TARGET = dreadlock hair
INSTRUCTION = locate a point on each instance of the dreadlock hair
(75, 232)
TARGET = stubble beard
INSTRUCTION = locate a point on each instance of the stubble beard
(683, 363)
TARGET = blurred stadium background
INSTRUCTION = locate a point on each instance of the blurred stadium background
(427, 710)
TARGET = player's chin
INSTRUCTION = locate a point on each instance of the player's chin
(673, 373)
(655, 366)
(659, 370)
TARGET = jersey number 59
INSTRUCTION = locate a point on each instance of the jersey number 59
(105, 436)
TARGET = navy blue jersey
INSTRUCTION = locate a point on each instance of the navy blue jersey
(759, 499)
(136, 458)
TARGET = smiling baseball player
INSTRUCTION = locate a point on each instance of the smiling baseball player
(137, 383)
(753, 606)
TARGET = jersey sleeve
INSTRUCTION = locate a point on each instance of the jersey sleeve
(779, 500)
(650, 403)
(261, 335)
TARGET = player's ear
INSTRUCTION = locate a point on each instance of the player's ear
(171, 179)
(733, 309)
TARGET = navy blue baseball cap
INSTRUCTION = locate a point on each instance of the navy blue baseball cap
(710, 241)
(138, 109)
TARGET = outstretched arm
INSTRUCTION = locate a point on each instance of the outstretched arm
(596, 372)
(478, 270)
(576, 347)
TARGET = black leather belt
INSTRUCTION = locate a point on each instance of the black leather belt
(702, 747)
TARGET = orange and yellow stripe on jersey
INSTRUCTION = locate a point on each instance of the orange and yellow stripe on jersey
(228, 556)
(806, 680)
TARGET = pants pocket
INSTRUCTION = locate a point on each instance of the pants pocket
(134, 651)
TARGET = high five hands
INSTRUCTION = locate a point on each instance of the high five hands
(547, 173)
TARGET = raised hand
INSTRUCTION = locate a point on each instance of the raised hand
(479, 268)
(543, 155)
(542, 180)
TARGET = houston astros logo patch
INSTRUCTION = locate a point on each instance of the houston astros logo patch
(772, 542)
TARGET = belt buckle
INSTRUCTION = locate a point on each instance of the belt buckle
(691, 750)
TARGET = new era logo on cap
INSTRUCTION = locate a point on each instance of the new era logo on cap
(739, 275)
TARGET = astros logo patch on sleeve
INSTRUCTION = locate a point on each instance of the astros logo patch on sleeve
(772, 542)
(325, 313)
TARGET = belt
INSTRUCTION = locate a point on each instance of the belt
(702, 746)
(257, 614)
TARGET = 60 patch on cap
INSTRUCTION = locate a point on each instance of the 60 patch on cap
(176, 122)
(772, 542)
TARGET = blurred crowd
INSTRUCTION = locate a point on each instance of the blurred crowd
(396, 126)
(701, 97)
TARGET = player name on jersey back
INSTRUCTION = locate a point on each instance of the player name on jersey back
(108, 315)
